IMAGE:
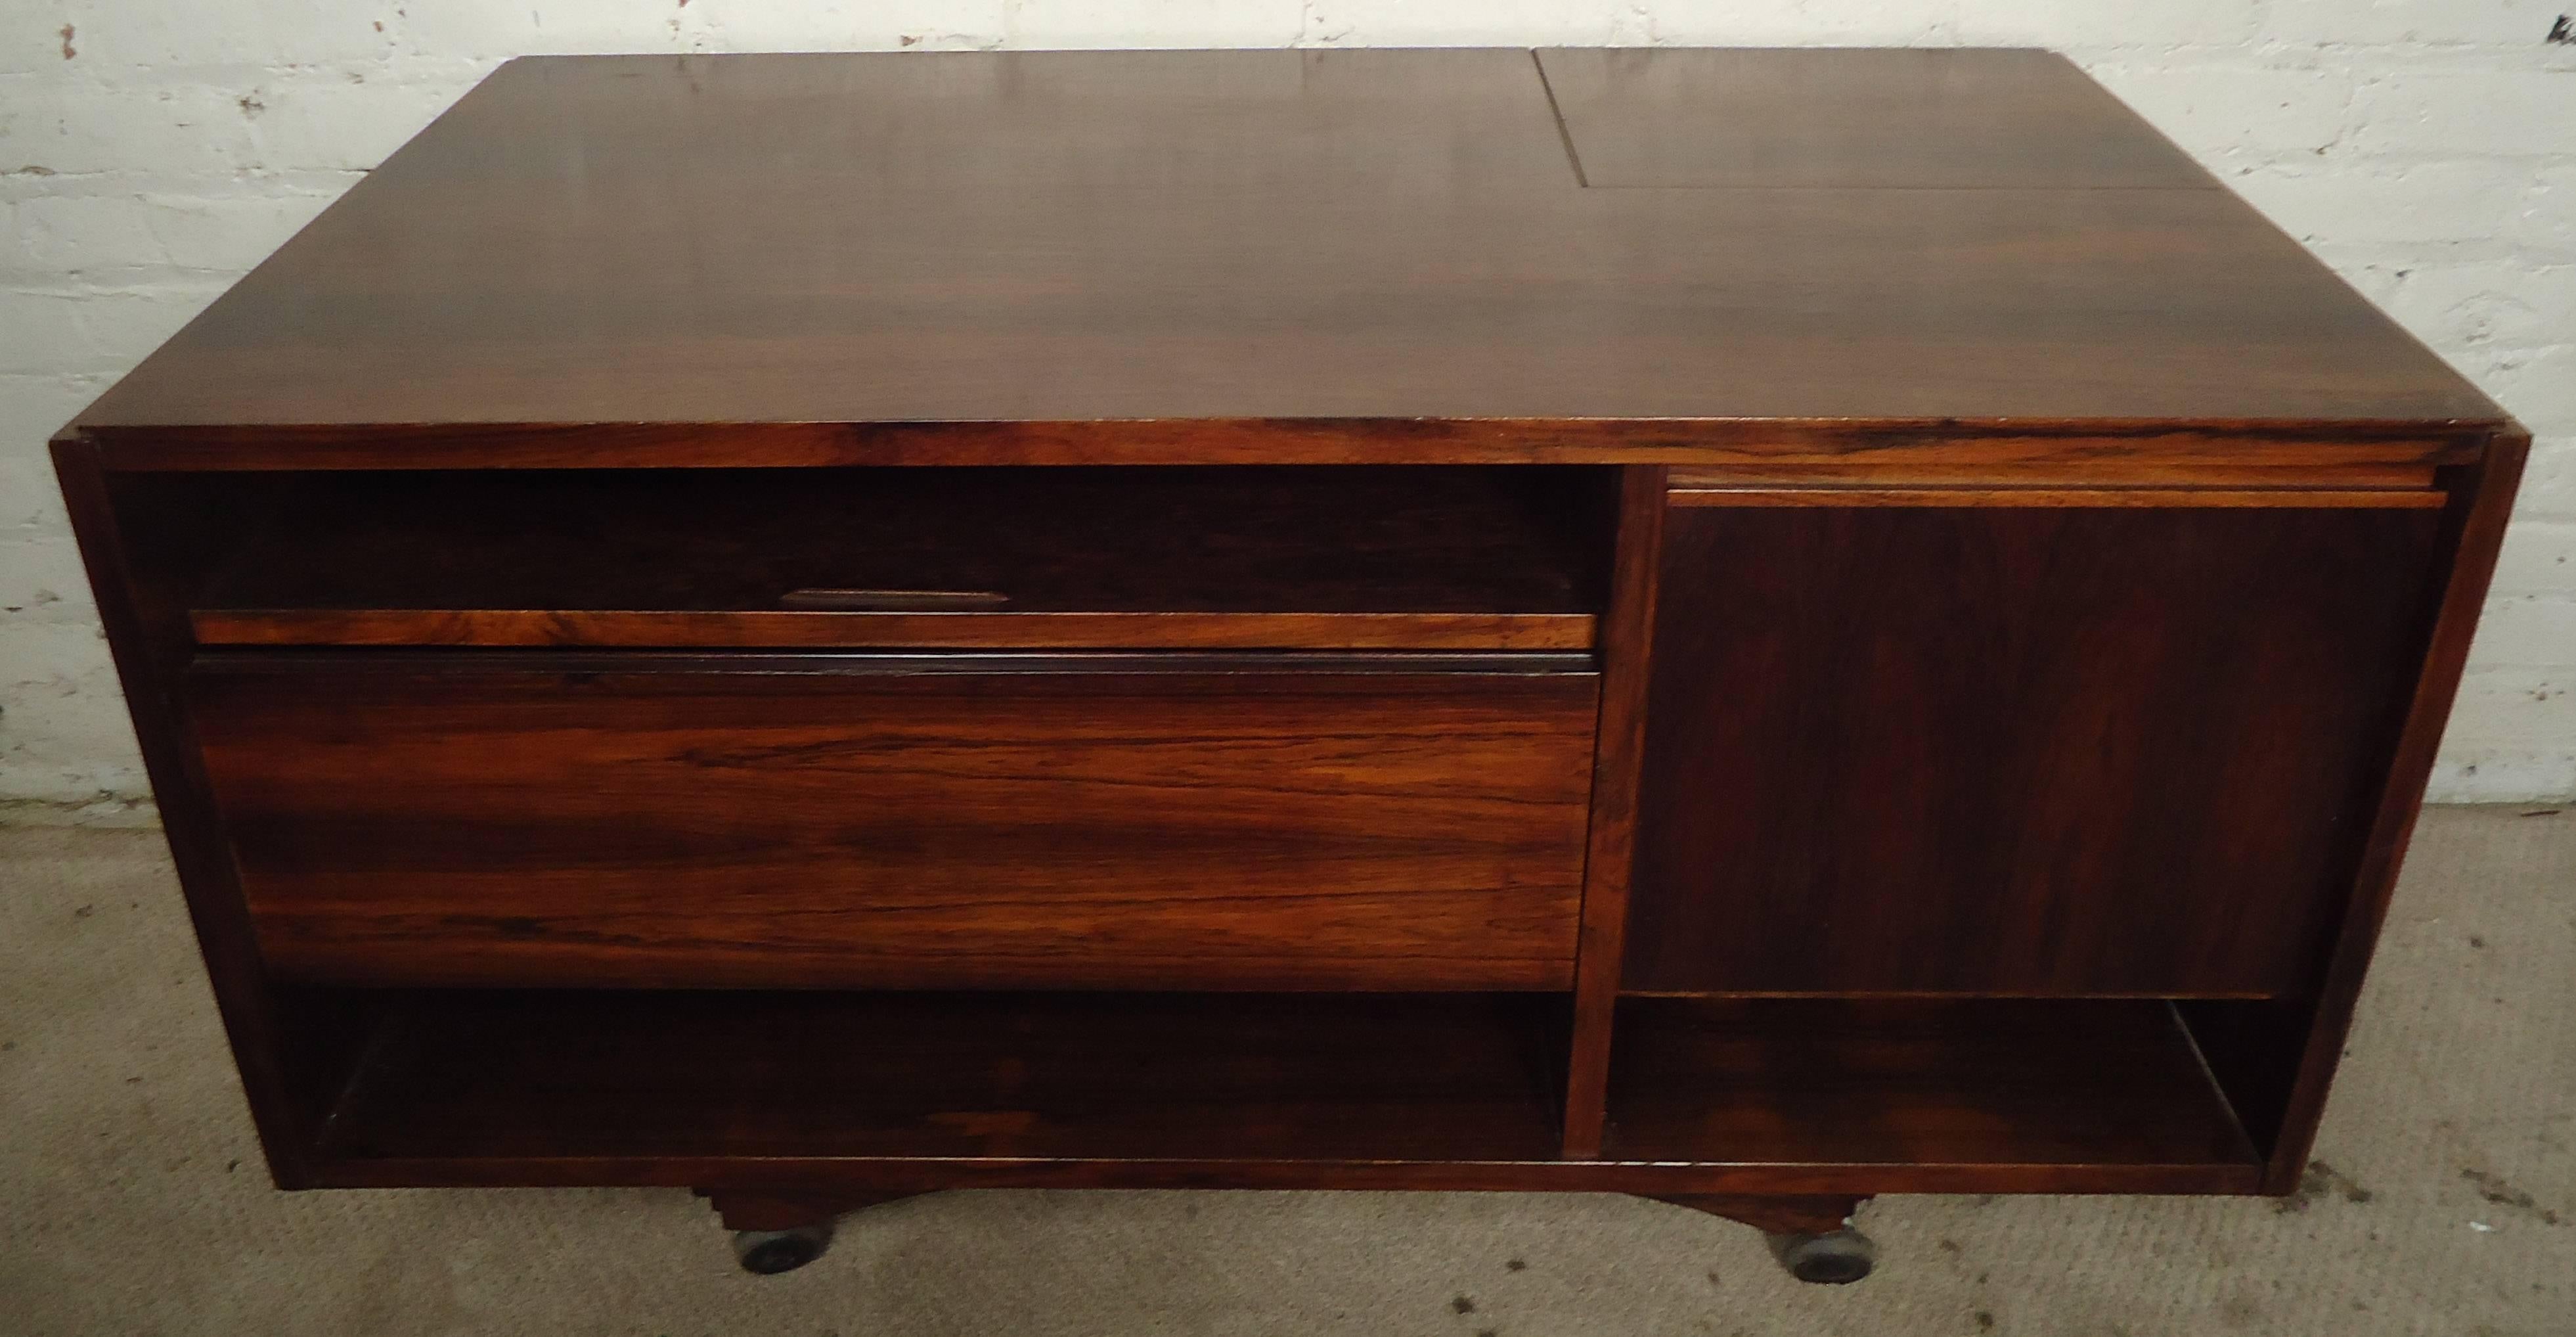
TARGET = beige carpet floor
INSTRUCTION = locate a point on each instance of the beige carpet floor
(132, 1198)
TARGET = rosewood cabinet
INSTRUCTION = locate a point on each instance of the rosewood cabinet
(1748, 628)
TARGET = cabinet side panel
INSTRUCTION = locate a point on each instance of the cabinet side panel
(128, 540)
(2120, 751)
(2278, 1062)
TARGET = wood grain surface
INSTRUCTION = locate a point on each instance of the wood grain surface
(2281, 1068)
(526, 627)
(1916, 1083)
(2101, 498)
(1853, 118)
(1171, 1077)
(1246, 237)
(879, 1094)
(2073, 449)
(1070, 540)
(2121, 751)
(2067, 581)
(1211, 558)
(865, 825)
(1618, 756)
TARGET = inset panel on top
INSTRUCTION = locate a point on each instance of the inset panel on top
(1850, 117)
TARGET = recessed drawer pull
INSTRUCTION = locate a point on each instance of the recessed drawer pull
(892, 600)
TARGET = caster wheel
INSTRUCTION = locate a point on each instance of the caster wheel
(1837, 1258)
(770, 1252)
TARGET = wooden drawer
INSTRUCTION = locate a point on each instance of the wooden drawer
(1107, 821)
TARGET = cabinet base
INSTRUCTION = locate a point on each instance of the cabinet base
(1811, 1235)
(769, 1211)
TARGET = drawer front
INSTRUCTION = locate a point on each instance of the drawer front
(857, 822)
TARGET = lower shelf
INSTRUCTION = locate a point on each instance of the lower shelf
(1043, 1076)
(2112, 1083)
(910, 1092)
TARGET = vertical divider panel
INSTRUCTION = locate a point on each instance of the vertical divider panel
(1627, 650)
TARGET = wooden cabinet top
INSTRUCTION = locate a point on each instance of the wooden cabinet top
(1253, 255)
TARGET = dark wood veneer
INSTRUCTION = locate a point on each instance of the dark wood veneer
(1944, 1082)
(1002, 1076)
(2292, 454)
(1852, 118)
(1611, 848)
(2279, 1062)
(1244, 558)
(897, 1093)
(2016, 750)
(2067, 498)
(1757, 628)
(290, 1061)
(859, 824)
(1201, 243)
(531, 627)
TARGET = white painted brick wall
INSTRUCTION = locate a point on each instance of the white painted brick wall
(153, 150)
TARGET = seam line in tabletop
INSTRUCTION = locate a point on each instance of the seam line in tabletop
(1564, 135)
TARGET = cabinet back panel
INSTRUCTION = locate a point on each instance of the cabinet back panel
(2016, 751)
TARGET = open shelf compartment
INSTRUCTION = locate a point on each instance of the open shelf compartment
(1143, 1088)
(516, 1079)
(2074, 1094)
(1253, 557)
